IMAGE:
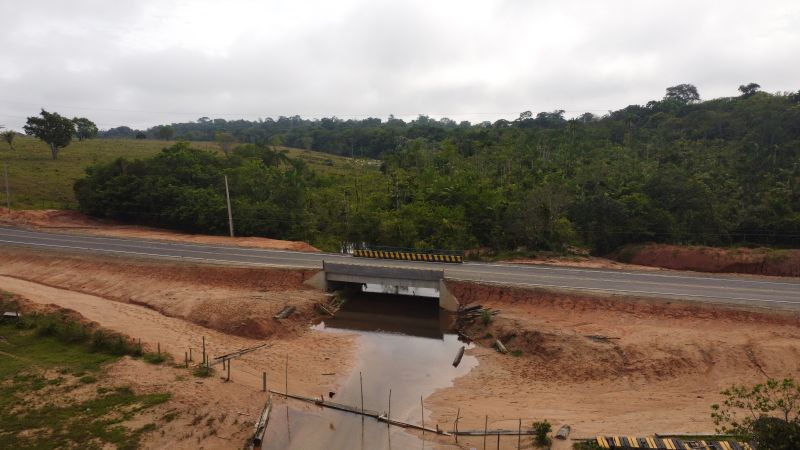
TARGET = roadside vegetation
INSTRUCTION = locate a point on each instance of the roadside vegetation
(676, 170)
(47, 359)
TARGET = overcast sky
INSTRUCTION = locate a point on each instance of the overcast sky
(142, 63)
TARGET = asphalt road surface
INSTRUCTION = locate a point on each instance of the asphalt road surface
(762, 292)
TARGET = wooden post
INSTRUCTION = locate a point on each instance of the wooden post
(519, 435)
(190, 354)
(361, 383)
(498, 441)
(485, 430)
(186, 358)
(264, 381)
(228, 199)
(286, 376)
(204, 350)
(422, 413)
(455, 425)
(205, 358)
(8, 192)
(229, 371)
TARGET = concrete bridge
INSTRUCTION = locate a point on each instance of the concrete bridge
(337, 276)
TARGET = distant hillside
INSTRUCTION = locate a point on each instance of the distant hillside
(38, 182)
(676, 170)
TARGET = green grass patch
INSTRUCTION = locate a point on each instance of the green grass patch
(39, 347)
(154, 358)
(38, 182)
(203, 372)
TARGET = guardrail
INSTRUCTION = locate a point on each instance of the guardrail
(411, 255)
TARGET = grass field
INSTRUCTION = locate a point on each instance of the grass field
(38, 182)
(39, 372)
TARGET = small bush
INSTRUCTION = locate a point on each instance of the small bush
(87, 379)
(203, 372)
(486, 317)
(586, 445)
(516, 352)
(154, 358)
(541, 439)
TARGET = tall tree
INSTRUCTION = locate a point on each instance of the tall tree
(749, 89)
(8, 136)
(225, 141)
(86, 129)
(165, 132)
(683, 93)
(52, 128)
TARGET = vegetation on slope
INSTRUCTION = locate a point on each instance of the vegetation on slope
(719, 172)
(47, 358)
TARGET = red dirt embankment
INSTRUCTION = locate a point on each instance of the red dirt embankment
(758, 261)
(75, 222)
(611, 364)
(235, 300)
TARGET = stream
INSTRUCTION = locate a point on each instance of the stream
(404, 344)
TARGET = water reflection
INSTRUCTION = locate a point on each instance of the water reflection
(405, 345)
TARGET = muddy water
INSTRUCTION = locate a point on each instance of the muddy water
(404, 345)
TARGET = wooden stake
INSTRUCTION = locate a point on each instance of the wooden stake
(485, 429)
(229, 370)
(422, 412)
(389, 414)
(455, 425)
(205, 360)
(186, 358)
(498, 441)
(361, 383)
(286, 376)
(264, 381)
(519, 435)
(190, 354)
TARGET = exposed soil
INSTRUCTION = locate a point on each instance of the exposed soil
(208, 412)
(760, 261)
(610, 365)
(235, 300)
(589, 262)
(628, 366)
(75, 222)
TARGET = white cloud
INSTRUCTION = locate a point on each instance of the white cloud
(149, 62)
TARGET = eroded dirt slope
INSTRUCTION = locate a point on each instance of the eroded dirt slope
(612, 365)
(75, 222)
(234, 300)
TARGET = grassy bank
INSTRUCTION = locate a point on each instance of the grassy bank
(48, 399)
(38, 182)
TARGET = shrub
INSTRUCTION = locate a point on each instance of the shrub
(541, 439)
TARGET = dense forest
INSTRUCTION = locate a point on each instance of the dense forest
(677, 170)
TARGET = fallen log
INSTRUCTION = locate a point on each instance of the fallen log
(261, 426)
(285, 312)
(323, 309)
(500, 347)
(460, 355)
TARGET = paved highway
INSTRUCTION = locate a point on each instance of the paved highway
(763, 292)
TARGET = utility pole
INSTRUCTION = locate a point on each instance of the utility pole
(8, 194)
(228, 198)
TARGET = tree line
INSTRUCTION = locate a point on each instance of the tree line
(677, 170)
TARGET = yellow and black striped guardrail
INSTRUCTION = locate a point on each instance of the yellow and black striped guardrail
(409, 256)
(628, 442)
